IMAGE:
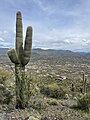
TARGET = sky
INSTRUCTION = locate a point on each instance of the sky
(57, 24)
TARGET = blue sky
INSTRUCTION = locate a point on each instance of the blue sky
(57, 24)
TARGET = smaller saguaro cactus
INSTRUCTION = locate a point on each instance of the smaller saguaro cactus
(20, 56)
(84, 83)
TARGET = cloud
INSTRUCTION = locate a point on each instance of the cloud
(45, 6)
(7, 38)
(5, 44)
(61, 24)
(1, 39)
(69, 39)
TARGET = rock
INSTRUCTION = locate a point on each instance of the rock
(1, 87)
(72, 103)
(66, 96)
(27, 118)
(45, 118)
(33, 118)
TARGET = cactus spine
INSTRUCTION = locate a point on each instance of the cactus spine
(20, 56)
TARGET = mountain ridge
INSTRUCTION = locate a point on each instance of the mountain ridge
(4, 51)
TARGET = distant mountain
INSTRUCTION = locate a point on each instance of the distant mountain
(3, 51)
(58, 55)
(52, 52)
(49, 52)
(83, 53)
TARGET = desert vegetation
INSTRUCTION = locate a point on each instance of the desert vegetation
(54, 89)
(55, 84)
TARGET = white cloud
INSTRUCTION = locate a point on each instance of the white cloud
(69, 39)
(61, 24)
(46, 7)
(1, 39)
(7, 38)
(5, 32)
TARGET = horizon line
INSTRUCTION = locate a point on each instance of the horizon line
(52, 49)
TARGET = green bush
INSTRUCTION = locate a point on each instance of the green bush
(52, 102)
(87, 116)
(37, 103)
(5, 93)
(4, 75)
(84, 102)
(53, 90)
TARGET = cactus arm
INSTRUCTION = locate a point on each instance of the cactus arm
(27, 45)
(13, 56)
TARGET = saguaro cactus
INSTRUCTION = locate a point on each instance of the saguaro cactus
(20, 56)
(84, 83)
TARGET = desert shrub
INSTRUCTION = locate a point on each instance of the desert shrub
(8, 97)
(84, 102)
(5, 95)
(38, 104)
(31, 87)
(5, 75)
(33, 118)
(87, 116)
(2, 79)
(53, 90)
(52, 102)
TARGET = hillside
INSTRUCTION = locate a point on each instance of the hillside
(65, 55)
(51, 74)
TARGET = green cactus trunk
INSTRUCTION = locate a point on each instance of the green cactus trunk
(84, 86)
(20, 57)
(20, 86)
(84, 83)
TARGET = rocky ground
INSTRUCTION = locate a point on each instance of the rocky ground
(45, 109)
(42, 107)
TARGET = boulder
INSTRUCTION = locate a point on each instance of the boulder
(72, 103)
(33, 118)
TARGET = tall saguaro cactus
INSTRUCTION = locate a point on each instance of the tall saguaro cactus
(20, 56)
